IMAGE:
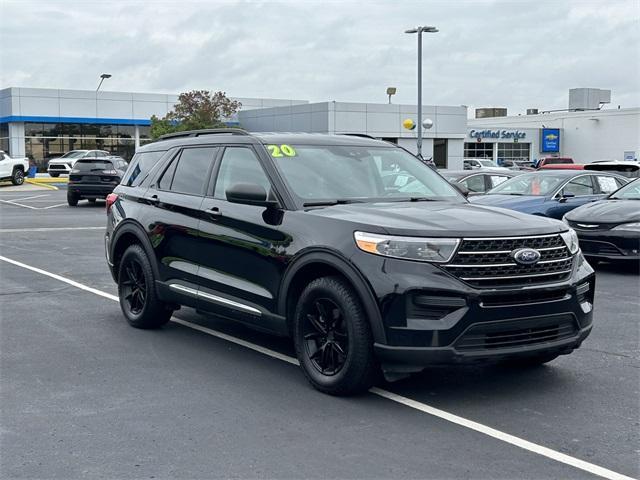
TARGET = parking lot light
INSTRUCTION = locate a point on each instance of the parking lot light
(420, 31)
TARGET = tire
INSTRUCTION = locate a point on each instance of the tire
(54, 175)
(72, 199)
(354, 370)
(17, 177)
(531, 362)
(136, 290)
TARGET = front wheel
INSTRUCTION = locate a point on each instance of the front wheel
(136, 291)
(332, 338)
(17, 178)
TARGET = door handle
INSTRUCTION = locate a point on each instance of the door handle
(214, 212)
(153, 200)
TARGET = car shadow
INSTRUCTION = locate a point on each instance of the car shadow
(621, 267)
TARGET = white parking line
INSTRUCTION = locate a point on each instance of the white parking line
(422, 407)
(16, 204)
(47, 229)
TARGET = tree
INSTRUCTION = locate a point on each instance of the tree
(195, 110)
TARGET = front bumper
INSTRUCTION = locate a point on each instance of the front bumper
(610, 244)
(431, 317)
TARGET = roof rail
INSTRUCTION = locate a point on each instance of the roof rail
(205, 131)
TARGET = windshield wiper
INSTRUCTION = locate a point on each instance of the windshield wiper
(422, 199)
(328, 203)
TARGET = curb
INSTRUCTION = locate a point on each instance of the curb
(40, 184)
(48, 180)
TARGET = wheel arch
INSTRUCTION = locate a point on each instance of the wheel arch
(321, 263)
(128, 233)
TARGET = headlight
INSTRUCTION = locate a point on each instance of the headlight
(75, 170)
(630, 227)
(571, 240)
(410, 248)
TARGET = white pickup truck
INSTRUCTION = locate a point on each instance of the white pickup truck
(14, 169)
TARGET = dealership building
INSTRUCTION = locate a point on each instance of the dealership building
(45, 123)
(584, 132)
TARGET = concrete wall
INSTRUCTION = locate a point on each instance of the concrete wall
(585, 136)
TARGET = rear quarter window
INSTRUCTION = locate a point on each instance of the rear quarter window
(141, 165)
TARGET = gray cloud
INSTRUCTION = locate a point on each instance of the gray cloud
(516, 54)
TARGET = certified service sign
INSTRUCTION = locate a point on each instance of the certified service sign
(550, 140)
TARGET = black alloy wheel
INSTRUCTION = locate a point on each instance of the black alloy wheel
(134, 286)
(326, 338)
(18, 177)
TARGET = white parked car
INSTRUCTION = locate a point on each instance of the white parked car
(481, 163)
(14, 169)
(65, 163)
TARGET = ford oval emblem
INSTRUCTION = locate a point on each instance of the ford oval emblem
(526, 256)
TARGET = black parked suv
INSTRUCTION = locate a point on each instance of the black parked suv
(296, 234)
(94, 178)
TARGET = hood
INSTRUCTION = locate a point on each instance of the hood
(508, 201)
(61, 160)
(606, 211)
(443, 219)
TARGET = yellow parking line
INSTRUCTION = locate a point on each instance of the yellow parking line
(41, 184)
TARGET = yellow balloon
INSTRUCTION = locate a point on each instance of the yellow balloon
(409, 124)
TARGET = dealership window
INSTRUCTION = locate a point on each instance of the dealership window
(515, 152)
(4, 137)
(478, 150)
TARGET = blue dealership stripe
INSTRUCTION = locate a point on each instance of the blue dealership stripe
(90, 120)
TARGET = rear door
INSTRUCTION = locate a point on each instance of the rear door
(175, 197)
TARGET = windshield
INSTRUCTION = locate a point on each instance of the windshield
(488, 163)
(630, 191)
(349, 173)
(74, 154)
(529, 184)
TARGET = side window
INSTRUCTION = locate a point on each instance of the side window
(497, 180)
(165, 180)
(101, 154)
(239, 165)
(140, 166)
(580, 186)
(607, 184)
(475, 184)
(192, 170)
(2, 155)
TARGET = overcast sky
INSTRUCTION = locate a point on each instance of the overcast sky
(516, 54)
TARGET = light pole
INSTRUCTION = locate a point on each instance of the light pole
(102, 79)
(419, 31)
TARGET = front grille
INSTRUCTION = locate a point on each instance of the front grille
(516, 333)
(591, 227)
(57, 167)
(488, 262)
(599, 248)
(524, 297)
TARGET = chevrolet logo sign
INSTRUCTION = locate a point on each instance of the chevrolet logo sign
(551, 136)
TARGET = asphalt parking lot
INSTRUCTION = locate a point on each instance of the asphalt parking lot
(84, 395)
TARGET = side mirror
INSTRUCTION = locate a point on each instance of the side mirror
(249, 194)
(564, 196)
(462, 189)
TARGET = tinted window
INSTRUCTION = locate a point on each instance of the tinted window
(167, 176)
(141, 165)
(579, 186)
(89, 164)
(192, 170)
(475, 184)
(239, 165)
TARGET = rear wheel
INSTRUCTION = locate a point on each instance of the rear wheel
(332, 338)
(72, 199)
(136, 290)
(17, 178)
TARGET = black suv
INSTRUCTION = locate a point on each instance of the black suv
(296, 234)
(94, 178)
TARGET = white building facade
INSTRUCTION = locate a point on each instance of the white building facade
(444, 142)
(584, 136)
